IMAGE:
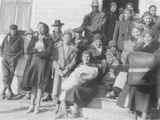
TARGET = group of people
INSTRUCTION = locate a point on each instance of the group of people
(68, 66)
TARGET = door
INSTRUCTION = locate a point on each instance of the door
(121, 3)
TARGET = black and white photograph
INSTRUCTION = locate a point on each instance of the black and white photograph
(79, 59)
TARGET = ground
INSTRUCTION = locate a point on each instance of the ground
(16, 110)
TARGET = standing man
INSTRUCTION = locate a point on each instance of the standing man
(67, 61)
(56, 37)
(111, 18)
(93, 23)
(12, 49)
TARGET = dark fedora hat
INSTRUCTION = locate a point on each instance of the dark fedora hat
(13, 27)
(57, 23)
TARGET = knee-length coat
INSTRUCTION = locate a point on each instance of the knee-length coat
(38, 72)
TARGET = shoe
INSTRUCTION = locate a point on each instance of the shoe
(36, 110)
(10, 97)
(30, 109)
(47, 98)
(111, 95)
(55, 100)
(3, 96)
(18, 97)
(61, 111)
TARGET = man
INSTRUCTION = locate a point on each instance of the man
(122, 29)
(111, 18)
(93, 22)
(56, 37)
(12, 49)
(57, 32)
(67, 61)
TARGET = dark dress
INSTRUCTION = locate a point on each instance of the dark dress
(38, 72)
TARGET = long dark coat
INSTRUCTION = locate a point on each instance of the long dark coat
(121, 33)
(39, 71)
(109, 26)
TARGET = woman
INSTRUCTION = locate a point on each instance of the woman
(80, 87)
(137, 98)
(39, 70)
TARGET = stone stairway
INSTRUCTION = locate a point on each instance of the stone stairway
(105, 109)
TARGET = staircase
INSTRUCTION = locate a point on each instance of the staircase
(105, 109)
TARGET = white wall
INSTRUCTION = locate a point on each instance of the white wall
(71, 12)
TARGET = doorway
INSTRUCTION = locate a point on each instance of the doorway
(121, 4)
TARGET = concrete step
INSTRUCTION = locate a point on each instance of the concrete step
(108, 111)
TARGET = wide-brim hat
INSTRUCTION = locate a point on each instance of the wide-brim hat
(57, 23)
(13, 27)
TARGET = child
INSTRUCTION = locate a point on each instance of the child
(111, 63)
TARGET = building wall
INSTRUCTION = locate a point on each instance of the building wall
(71, 12)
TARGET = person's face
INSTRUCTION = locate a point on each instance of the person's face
(127, 15)
(113, 8)
(147, 38)
(153, 11)
(98, 43)
(135, 33)
(113, 49)
(130, 7)
(57, 28)
(13, 32)
(95, 8)
(67, 39)
(77, 35)
(147, 20)
(85, 58)
(41, 29)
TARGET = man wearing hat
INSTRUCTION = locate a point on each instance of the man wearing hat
(12, 49)
(57, 32)
(56, 37)
(93, 22)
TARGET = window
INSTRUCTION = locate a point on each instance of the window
(15, 12)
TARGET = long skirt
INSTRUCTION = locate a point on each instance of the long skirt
(82, 94)
(37, 74)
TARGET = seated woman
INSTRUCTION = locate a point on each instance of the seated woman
(128, 48)
(80, 87)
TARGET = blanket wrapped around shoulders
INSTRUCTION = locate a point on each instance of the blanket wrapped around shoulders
(80, 75)
(140, 63)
